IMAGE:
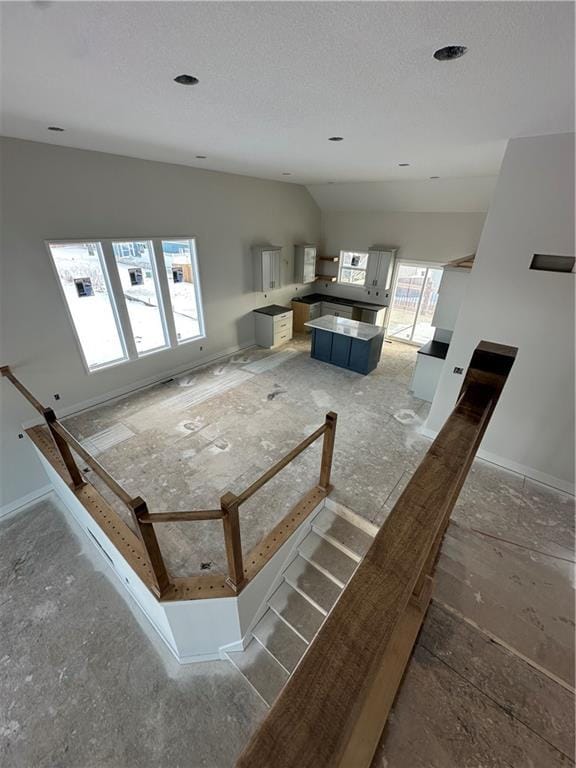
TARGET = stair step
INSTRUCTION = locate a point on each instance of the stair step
(261, 670)
(343, 534)
(281, 641)
(328, 558)
(296, 611)
(309, 581)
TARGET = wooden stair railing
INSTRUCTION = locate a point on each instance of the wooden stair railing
(333, 709)
(144, 521)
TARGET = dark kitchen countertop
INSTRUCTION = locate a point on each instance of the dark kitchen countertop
(273, 309)
(314, 298)
(437, 349)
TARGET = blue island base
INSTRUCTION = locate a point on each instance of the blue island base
(346, 352)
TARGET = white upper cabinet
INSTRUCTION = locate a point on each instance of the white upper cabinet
(267, 267)
(450, 295)
(304, 263)
(380, 268)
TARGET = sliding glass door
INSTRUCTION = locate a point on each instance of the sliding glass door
(413, 302)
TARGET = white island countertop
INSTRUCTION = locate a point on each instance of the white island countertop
(345, 327)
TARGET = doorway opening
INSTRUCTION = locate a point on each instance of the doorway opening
(414, 298)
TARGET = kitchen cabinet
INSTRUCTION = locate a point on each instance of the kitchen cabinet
(273, 325)
(380, 268)
(338, 310)
(315, 305)
(429, 364)
(304, 263)
(346, 343)
(372, 316)
(450, 295)
(267, 267)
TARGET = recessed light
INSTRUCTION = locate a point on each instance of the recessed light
(434, 177)
(336, 138)
(201, 157)
(186, 80)
(403, 165)
(55, 128)
(450, 52)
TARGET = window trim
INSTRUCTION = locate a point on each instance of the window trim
(341, 266)
(111, 274)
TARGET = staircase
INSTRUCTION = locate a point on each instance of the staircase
(310, 585)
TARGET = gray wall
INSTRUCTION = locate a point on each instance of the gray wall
(532, 212)
(435, 237)
(56, 192)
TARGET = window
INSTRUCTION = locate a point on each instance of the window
(80, 267)
(180, 265)
(128, 298)
(352, 269)
(137, 272)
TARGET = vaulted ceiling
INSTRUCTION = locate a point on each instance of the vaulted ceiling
(277, 79)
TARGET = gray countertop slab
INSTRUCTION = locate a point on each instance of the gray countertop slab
(345, 327)
(316, 298)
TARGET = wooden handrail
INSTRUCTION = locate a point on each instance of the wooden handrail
(290, 456)
(144, 521)
(7, 373)
(95, 465)
(333, 709)
(182, 517)
(230, 503)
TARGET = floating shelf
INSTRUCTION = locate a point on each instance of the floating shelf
(326, 278)
(328, 258)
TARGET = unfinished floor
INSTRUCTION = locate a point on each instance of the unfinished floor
(85, 682)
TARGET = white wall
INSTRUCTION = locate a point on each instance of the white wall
(532, 212)
(57, 192)
(436, 237)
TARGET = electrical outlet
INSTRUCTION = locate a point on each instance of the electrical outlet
(460, 371)
(20, 436)
(56, 396)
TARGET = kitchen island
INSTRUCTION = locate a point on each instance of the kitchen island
(347, 343)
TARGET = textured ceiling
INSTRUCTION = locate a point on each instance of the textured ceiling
(277, 79)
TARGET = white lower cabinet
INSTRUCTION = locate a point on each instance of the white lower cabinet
(426, 376)
(338, 310)
(273, 330)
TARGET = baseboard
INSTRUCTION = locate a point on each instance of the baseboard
(142, 384)
(521, 469)
(23, 501)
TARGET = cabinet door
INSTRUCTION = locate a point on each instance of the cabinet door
(271, 270)
(277, 277)
(340, 350)
(385, 263)
(309, 265)
(266, 270)
(373, 269)
(321, 344)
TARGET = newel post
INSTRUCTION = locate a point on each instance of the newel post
(231, 522)
(64, 449)
(138, 508)
(328, 450)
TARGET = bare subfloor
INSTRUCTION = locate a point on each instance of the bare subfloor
(86, 684)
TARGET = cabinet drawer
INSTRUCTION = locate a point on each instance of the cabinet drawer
(339, 310)
(281, 338)
(315, 311)
(286, 317)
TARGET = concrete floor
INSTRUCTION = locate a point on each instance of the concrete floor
(85, 683)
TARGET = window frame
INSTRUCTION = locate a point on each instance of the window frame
(114, 287)
(342, 266)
